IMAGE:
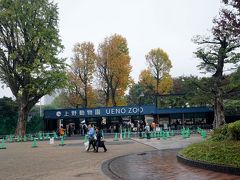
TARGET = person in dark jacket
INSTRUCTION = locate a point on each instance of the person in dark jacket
(99, 141)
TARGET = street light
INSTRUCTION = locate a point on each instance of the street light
(40, 108)
(141, 95)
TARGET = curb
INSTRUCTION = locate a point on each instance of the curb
(208, 166)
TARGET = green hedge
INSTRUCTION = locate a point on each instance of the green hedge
(8, 125)
(222, 148)
(224, 152)
(229, 131)
(234, 130)
(35, 125)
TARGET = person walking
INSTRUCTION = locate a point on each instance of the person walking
(99, 141)
(147, 130)
(91, 137)
(61, 131)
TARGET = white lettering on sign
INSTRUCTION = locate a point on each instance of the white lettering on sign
(74, 113)
(123, 110)
(81, 113)
(113, 111)
(66, 113)
(116, 111)
(58, 113)
(97, 112)
(135, 110)
(89, 112)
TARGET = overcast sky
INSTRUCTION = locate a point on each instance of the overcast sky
(146, 24)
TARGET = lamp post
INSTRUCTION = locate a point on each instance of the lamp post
(141, 95)
(40, 108)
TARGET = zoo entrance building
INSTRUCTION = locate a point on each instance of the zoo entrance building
(107, 117)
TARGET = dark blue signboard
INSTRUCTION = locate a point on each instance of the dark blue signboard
(118, 111)
(99, 112)
(184, 110)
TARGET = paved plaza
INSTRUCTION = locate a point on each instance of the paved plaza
(133, 159)
(21, 161)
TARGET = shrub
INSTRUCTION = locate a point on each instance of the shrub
(234, 129)
(220, 133)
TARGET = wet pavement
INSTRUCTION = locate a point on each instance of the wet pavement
(160, 164)
(157, 164)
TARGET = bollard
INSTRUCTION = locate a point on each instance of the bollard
(154, 134)
(145, 135)
(40, 136)
(203, 134)
(188, 133)
(163, 135)
(167, 134)
(129, 135)
(62, 141)
(183, 132)
(121, 135)
(148, 135)
(124, 135)
(142, 134)
(48, 136)
(10, 139)
(3, 146)
(24, 138)
(18, 139)
(115, 137)
(151, 134)
(31, 137)
(55, 135)
(34, 144)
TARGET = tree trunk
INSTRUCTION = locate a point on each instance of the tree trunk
(86, 97)
(22, 119)
(113, 97)
(107, 97)
(219, 118)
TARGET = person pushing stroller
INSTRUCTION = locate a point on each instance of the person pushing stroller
(99, 141)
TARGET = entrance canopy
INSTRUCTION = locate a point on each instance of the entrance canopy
(118, 111)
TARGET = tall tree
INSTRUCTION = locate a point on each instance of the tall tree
(218, 50)
(114, 69)
(147, 81)
(8, 115)
(82, 70)
(159, 65)
(29, 45)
